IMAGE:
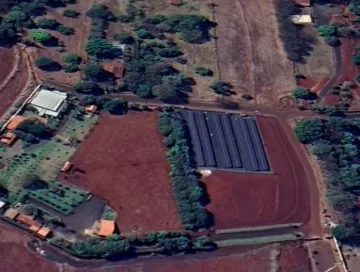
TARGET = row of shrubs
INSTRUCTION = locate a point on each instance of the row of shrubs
(188, 193)
(117, 246)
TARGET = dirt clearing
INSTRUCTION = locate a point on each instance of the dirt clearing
(249, 200)
(250, 53)
(123, 161)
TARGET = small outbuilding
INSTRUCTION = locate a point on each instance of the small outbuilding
(43, 232)
(106, 228)
(48, 102)
(66, 167)
(11, 213)
(301, 19)
(91, 109)
(303, 3)
(14, 122)
(8, 138)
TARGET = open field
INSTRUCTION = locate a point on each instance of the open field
(73, 43)
(250, 53)
(15, 85)
(123, 161)
(322, 255)
(8, 60)
(294, 258)
(249, 200)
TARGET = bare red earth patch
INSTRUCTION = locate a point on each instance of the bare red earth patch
(124, 161)
(16, 257)
(294, 258)
(14, 87)
(7, 62)
(288, 195)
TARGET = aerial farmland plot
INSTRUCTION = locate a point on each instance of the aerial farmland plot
(122, 160)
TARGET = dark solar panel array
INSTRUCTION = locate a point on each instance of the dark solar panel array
(226, 141)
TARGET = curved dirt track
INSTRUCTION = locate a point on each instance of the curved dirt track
(248, 200)
(7, 58)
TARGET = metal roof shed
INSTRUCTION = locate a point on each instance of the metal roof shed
(48, 102)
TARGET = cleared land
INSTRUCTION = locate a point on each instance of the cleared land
(249, 200)
(294, 258)
(16, 84)
(250, 53)
(123, 161)
(7, 62)
(222, 141)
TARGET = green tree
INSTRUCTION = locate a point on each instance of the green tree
(71, 58)
(114, 106)
(44, 62)
(220, 87)
(40, 36)
(18, 19)
(332, 41)
(124, 38)
(92, 70)
(47, 23)
(70, 13)
(84, 86)
(355, 59)
(65, 30)
(326, 30)
(340, 232)
(204, 243)
(309, 129)
(202, 71)
(322, 150)
(301, 93)
(98, 47)
(99, 12)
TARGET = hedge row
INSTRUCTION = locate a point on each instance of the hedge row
(187, 191)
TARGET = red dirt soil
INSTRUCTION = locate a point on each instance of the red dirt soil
(7, 62)
(313, 84)
(294, 258)
(124, 162)
(14, 87)
(325, 257)
(289, 195)
(16, 257)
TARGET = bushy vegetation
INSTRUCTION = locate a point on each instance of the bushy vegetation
(302, 93)
(296, 43)
(188, 193)
(70, 13)
(44, 62)
(335, 142)
(202, 71)
(98, 47)
(40, 36)
(71, 61)
(221, 87)
(149, 76)
(192, 28)
(35, 128)
(116, 246)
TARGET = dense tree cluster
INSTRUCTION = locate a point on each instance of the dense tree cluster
(116, 246)
(296, 43)
(335, 142)
(19, 14)
(95, 247)
(147, 75)
(192, 28)
(188, 193)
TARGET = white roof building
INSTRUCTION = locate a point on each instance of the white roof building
(301, 19)
(48, 102)
(2, 204)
